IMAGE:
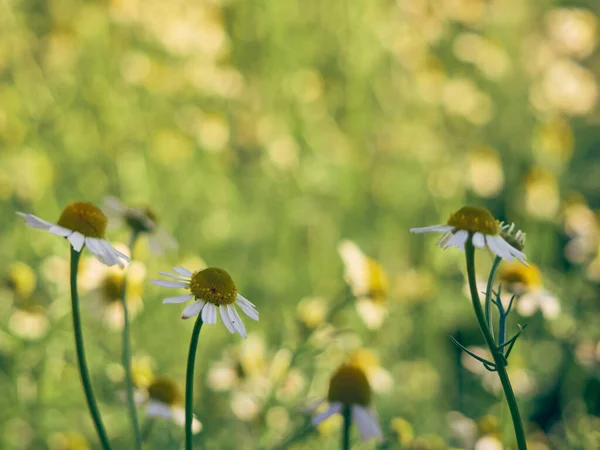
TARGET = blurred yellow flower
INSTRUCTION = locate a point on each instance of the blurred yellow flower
(164, 398)
(368, 281)
(349, 388)
(403, 430)
(553, 143)
(20, 279)
(368, 361)
(29, 323)
(570, 88)
(105, 289)
(68, 441)
(573, 31)
(312, 311)
(485, 172)
(542, 198)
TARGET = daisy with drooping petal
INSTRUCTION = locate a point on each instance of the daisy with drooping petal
(478, 225)
(163, 398)
(212, 289)
(142, 220)
(81, 224)
(526, 283)
(349, 389)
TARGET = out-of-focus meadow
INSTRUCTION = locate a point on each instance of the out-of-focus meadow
(278, 140)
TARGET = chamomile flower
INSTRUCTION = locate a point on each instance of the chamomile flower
(105, 286)
(211, 288)
(526, 283)
(479, 226)
(368, 281)
(140, 219)
(81, 224)
(349, 388)
(164, 398)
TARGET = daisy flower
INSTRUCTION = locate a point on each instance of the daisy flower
(526, 283)
(349, 388)
(368, 281)
(211, 288)
(105, 286)
(81, 224)
(140, 219)
(164, 398)
(479, 226)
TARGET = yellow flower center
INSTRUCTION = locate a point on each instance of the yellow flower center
(213, 285)
(518, 277)
(378, 281)
(474, 220)
(84, 218)
(349, 386)
(165, 390)
(141, 219)
(112, 286)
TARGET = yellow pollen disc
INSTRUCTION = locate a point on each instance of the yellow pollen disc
(112, 287)
(520, 277)
(165, 390)
(378, 281)
(349, 386)
(213, 285)
(474, 220)
(84, 218)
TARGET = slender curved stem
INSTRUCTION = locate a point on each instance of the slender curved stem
(147, 429)
(126, 354)
(347, 414)
(489, 340)
(189, 382)
(81, 361)
(488, 293)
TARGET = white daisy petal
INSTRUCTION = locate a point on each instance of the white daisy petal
(101, 251)
(77, 240)
(180, 299)
(113, 205)
(334, 408)
(209, 314)
(239, 298)
(458, 239)
(226, 320)
(172, 275)
(247, 308)
(237, 321)
(192, 309)
(366, 422)
(179, 419)
(182, 271)
(60, 231)
(112, 254)
(35, 222)
(434, 228)
(479, 240)
(170, 284)
(510, 249)
(158, 409)
(495, 246)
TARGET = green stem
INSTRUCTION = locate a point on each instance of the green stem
(81, 361)
(489, 340)
(488, 293)
(347, 415)
(147, 429)
(189, 382)
(126, 354)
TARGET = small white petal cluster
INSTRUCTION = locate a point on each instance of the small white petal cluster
(99, 247)
(229, 314)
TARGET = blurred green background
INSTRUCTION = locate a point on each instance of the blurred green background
(266, 133)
